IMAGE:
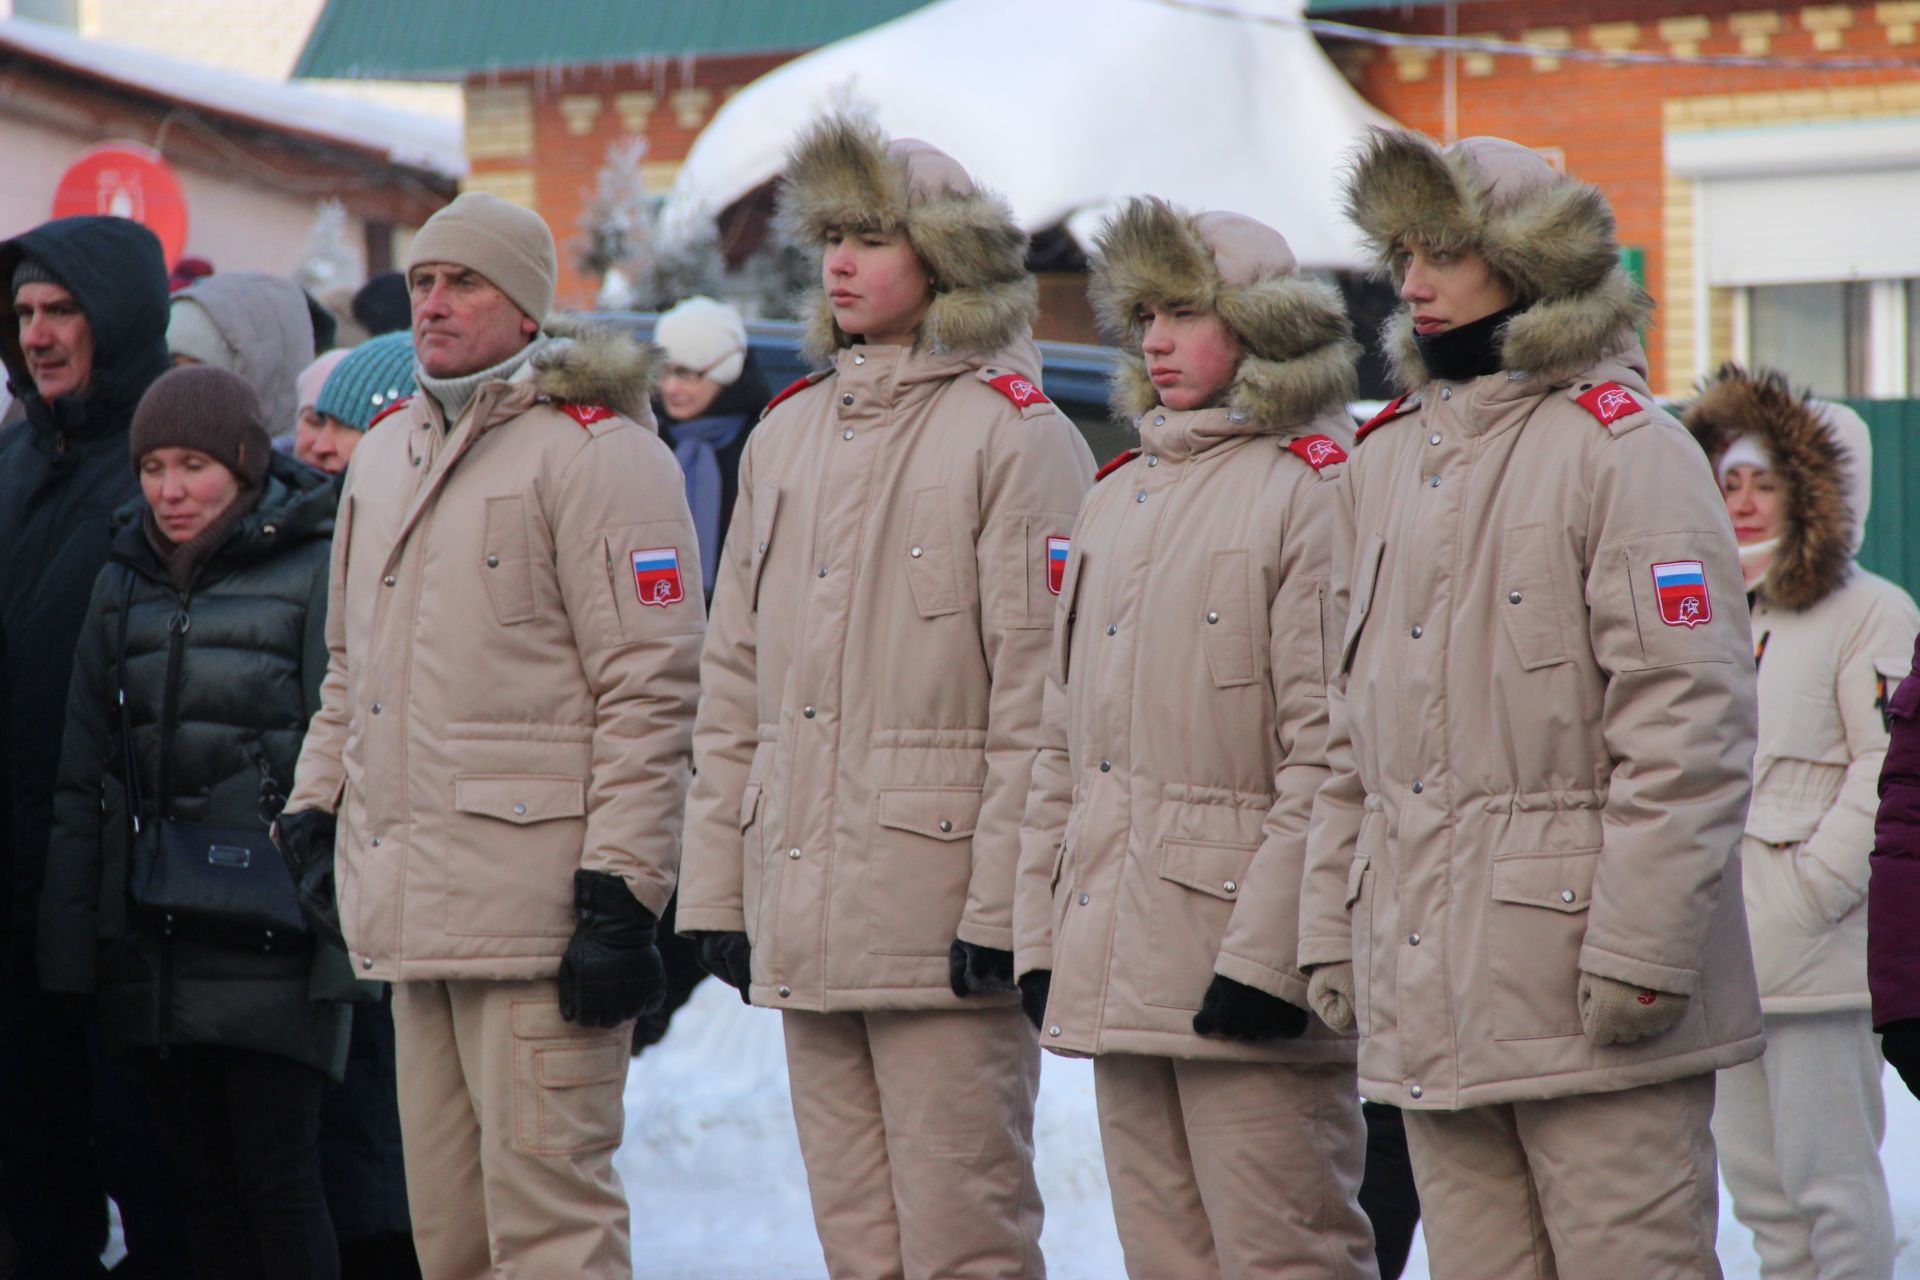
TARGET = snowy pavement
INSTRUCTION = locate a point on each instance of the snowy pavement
(718, 1192)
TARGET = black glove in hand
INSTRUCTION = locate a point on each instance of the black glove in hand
(978, 971)
(1240, 1012)
(1901, 1043)
(305, 840)
(728, 956)
(1035, 986)
(611, 971)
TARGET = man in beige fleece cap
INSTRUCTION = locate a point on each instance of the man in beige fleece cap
(504, 741)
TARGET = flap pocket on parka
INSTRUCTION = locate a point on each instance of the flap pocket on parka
(766, 511)
(929, 555)
(1066, 614)
(749, 805)
(1226, 618)
(1366, 572)
(1529, 599)
(1556, 881)
(1778, 826)
(506, 560)
(1356, 880)
(520, 799)
(1216, 870)
(939, 813)
(1532, 937)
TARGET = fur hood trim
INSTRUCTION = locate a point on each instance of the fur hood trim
(1300, 359)
(1550, 238)
(843, 174)
(1817, 468)
(595, 364)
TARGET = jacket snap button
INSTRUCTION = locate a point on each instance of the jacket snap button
(389, 579)
(1159, 420)
(1446, 393)
(366, 962)
(1434, 438)
(1413, 939)
(1513, 597)
(1433, 482)
(376, 708)
(807, 712)
(1416, 633)
(1566, 895)
(493, 562)
(785, 992)
(847, 434)
(858, 358)
(823, 571)
(1140, 496)
(762, 549)
(375, 842)
(945, 825)
(1416, 1091)
(1112, 630)
(1230, 887)
(1418, 786)
(793, 855)
(1053, 1031)
(847, 399)
(520, 809)
(1083, 899)
(1106, 766)
(914, 552)
(1153, 462)
(1212, 617)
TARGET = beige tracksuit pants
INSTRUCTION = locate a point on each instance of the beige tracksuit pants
(1799, 1132)
(1234, 1170)
(917, 1133)
(509, 1117)
(1599, 1186)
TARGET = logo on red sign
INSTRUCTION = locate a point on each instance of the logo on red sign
(656, 576)
(1680, 588)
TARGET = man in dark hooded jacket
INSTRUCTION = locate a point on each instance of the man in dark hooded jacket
(83, 335)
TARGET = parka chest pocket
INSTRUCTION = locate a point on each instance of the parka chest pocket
(766, 512)
(1226, 621)
(506, 561)
(1529, 597)
(930, 556)
(1366, 575)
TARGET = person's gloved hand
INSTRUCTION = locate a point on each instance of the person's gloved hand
(728, 956)
(1330, 993)
(1240, 1012)
(611, 971)
(1618, 1013)
(1900, 1042)
(305, 841)
(1035, 984)
(978, 971)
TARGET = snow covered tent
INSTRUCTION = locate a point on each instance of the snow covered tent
(1069, 106)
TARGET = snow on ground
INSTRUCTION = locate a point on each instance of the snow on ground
(713, 1170)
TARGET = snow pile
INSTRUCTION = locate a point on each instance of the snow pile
(713, 1169)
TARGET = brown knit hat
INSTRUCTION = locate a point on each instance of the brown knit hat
(201, 407)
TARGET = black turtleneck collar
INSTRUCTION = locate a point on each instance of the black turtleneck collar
(1465, 351)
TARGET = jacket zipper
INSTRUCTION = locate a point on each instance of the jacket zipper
(177, 627)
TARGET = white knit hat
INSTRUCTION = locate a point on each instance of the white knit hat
(706, 336)
(191, 332)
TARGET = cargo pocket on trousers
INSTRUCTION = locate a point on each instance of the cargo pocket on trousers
(1536, 923)
(568, 1083)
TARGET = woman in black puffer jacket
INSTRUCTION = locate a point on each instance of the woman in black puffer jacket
(222, 573)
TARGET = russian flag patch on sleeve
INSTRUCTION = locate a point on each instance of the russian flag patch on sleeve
(1680, 587)
(1057, 548)
(656, 576)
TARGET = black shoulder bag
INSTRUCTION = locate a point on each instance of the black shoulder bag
(221, 884)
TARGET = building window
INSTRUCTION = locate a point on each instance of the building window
(1817, 334)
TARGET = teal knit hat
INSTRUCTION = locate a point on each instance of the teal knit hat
(374, 374)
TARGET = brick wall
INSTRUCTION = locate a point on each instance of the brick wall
(1609, 120)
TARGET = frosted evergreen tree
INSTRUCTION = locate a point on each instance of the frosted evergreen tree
(329, 259)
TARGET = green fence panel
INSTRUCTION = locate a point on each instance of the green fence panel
(1892, 547)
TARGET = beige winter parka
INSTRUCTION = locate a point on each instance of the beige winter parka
(511, 691)
(1833, 641)
(1539, 764)
(1186, 693)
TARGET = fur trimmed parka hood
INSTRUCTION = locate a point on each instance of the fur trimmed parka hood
(584, 363)
(1299, 356)
(1822, 460)
(843, 173)
(1549, 237)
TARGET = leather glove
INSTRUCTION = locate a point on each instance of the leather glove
(611, 971)
(978, 971)
(1901, 1043)
(1330, 993)
(728, 956)
(1240, 1012)
(1034, 986)
(305, 841)
(1618, 1013)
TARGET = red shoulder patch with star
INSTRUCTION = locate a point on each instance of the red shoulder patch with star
(1608, 401)
(1020, 389)
(1318, 451)
(389, 411)
(1386, 415)
(1115, 464)
(585, 414)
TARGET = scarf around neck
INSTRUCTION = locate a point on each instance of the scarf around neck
(696, 445)
(1466, 351)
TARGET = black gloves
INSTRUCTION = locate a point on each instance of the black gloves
(1034, 986)
(1239, 1012)
(305, 840)
(611, 970)
(978, 971)
(1901, 1043)
(729, 957)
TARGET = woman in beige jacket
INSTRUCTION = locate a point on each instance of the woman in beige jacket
(1799, 1129)
(872, 688)
(1185, 737)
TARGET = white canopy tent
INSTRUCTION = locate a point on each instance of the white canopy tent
(1067, 107)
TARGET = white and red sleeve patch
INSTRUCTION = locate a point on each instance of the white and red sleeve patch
(585, 414)
(1057, 550)
(1680, 589)
(1608, 401)
(656, 576)
(1019, 388)
(1318, 451)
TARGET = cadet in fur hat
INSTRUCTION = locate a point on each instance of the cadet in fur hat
(1523, 872)
(871, 708)
(1185, 737)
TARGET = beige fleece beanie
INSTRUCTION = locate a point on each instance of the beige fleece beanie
(498, 239)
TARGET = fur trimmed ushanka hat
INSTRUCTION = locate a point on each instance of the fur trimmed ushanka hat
(1547, 236)
(1299, 356)
(844, 173)
(1822, 460)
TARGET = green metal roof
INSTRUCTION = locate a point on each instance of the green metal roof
(447, 39)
